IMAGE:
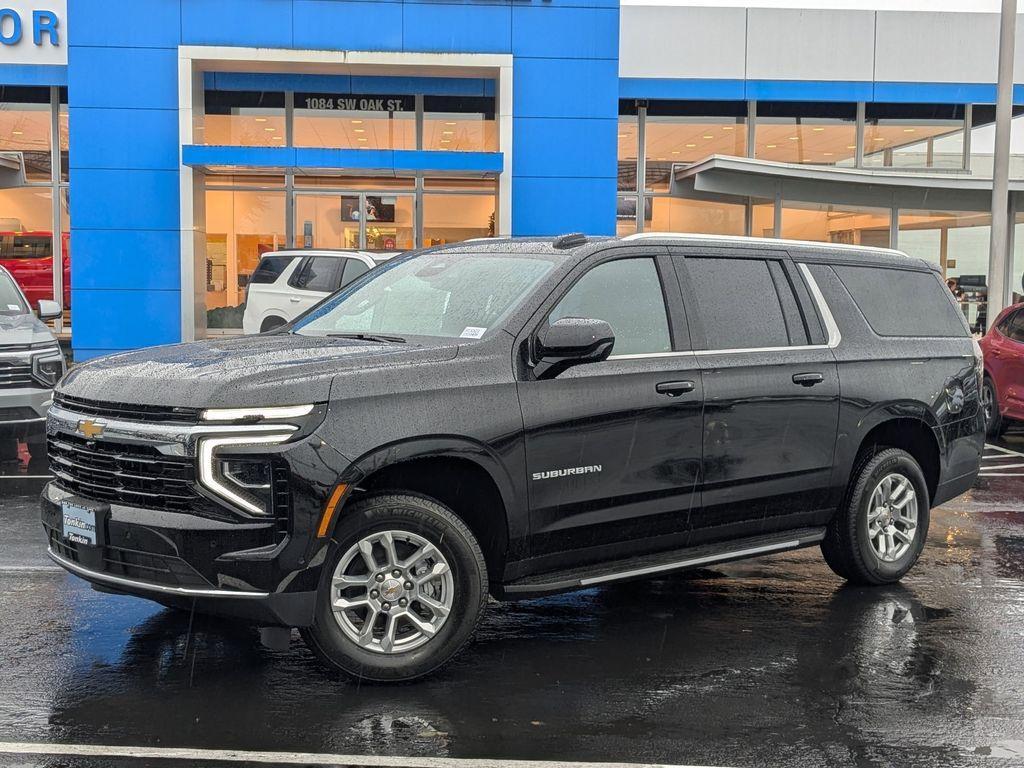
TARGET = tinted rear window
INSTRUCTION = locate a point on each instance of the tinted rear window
(270, 268)
(898, 302)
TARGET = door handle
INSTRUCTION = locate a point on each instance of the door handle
(807, 379)
(294, 299)
(674, 388)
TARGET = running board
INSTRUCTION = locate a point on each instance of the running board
(660, 563)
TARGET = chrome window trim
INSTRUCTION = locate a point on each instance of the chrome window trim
(86, 573)
(835, 336)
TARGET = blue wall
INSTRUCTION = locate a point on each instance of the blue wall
(122, 80)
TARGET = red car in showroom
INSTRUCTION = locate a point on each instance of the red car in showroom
(28, 256)
(1003, 392)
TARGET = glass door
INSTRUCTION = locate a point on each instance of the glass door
(368, 221)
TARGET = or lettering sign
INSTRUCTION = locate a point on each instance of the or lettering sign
(33, 32)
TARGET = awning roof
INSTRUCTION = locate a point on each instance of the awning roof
(735, 177)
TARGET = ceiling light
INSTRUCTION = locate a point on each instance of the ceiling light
(828, 154)
(817, 129)
(675, 152)
(446, 133)
(358, 130)
(357, 122)
(727, 127)
(909, 130)
(771, 146)
(794, 138)
(851, 146)
(449, 123)
(270, 129)
(18, 133)
(360, 139)
(623, 135)
(691, 146)
(261, 119)
(707, 137)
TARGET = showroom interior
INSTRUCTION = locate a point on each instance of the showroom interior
(160, 152)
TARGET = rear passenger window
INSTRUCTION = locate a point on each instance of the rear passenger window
(320, 273)
(739, 305)
(899, 302)
(270, 268)
(353, 268)
(626, 294)
(1015, 327)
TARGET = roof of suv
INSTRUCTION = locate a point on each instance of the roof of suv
(577, 245)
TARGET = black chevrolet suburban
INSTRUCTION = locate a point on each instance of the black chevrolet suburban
(516, 418)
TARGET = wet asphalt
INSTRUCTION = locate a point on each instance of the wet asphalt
(771, 662)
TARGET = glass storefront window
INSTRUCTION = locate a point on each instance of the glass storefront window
(26, 239)
(625, 215)
(354, 182)
(676, 214)
(762, 219)
(334, 220)
(243, 118)
(62, 122)
(240, 227)
(914, 136)
(459, 123)
(835, 224)
(690, 131)
(354, 121)
(452, 218)
(983, 140)
(806, 133)
(628, 143)
(25, 116)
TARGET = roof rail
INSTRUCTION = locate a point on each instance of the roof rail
(572, 240)
(759, 241)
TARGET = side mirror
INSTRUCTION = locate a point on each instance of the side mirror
(571, 341)
(49, 309)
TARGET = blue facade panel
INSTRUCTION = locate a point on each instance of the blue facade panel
(126, 23)
(546, 207)
(125, 319)
(124, 199)
(116, 138)
(565, 88)
(542, 31)
(340, 24)
(125, 260)
(465, 27)
(136, 78)
(561, 147)
(262, 23)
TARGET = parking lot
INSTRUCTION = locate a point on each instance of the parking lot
(767, 662)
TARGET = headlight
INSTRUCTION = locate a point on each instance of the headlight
(256, 414)
(246, 482)
(48, 367)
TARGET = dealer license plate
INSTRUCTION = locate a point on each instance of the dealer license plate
(78, 523)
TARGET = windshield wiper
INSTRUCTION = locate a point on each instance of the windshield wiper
(367, 337)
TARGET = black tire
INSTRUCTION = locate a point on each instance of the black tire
(271, 323)
(994, 423)
(847, 547)
(437, 524)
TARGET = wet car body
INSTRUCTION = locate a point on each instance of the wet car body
(592, 476)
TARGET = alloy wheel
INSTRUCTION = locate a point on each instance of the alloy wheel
(392, 591)
(892, 517)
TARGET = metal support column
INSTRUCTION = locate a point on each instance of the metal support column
(641, 165)
(56, 237)
(998, 293)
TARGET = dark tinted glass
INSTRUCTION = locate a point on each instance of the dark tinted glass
(320, 273)
(353, 268)
(11, 302)
(1015, 327)
(270, 268)
(738, 304)
(626, 294)
(898, 302)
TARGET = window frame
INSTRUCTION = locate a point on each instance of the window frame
(805, 318)
(678, 329)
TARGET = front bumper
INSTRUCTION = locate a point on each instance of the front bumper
(23, 411)
(219, 567)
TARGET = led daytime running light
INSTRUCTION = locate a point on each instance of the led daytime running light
(207, 467)
(235, 414)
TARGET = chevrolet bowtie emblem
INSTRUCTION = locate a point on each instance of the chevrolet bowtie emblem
(90, 428)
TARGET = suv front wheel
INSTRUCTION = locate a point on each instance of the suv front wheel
(879, 532)
(402, 591)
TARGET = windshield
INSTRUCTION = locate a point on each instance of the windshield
(11, 301)
(431, 294)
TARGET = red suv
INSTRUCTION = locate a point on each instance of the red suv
(28, 256)
(1003, 393)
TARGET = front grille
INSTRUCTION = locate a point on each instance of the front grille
(121, 473)
(128, 412)
(15, 374)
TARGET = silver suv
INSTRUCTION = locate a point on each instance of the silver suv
(30, 364)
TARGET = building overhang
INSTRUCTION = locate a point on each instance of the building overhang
(737, 178)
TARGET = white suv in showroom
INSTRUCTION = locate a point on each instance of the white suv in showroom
(30, 364)
(287, 283)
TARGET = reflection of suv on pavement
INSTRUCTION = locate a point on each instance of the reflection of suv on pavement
(287, 283)
(520, 418)
(30, 364)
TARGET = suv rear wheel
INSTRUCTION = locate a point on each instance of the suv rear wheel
(402, 591)
(271, 323)
(878, 534)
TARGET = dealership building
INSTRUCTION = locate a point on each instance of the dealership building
(159, 147)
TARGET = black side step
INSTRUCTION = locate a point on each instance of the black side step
(660, 563)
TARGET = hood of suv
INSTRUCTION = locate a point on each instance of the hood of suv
(19, 330)
(281, 369)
